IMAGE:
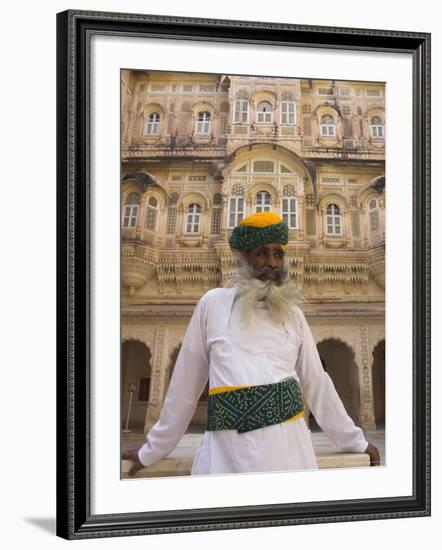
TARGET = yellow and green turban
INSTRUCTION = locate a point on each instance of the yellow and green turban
(257, 229)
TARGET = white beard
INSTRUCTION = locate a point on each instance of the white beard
(280, 296)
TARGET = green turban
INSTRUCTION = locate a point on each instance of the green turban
(258, 229)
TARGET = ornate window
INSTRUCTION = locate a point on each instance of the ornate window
(288, 113)
(377, 127)
(130, 211)
(333, 220)
(264, 166)
(158, 88)
(151, 213)
(152, 124)
(348, 128)
(215, 224)
(290, 212)
(373, 215)
(171, 214)
(263, 201)
(206, 88)
(204, 123)
(238, 189)
(328, 126)
(241, 113)
(264, 114)
(355, 223)
(193, 218)
(236, 210)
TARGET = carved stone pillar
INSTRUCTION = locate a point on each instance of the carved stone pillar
(320, 226)
(347, 225)
(156, 396)
(173, 124)
(205, 223)
(348, 285)
(249, 205)
(365, 227)
(300, 220)
(367, 413)
(382, 215)
(224, 214)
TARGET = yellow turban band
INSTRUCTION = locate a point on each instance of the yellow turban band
(261, 219)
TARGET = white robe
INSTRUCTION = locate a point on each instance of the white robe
(217, 347)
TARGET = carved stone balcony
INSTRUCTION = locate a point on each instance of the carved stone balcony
(136, 268)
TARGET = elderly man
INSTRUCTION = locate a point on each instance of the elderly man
(252, 343)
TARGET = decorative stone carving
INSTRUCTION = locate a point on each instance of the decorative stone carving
(139, 332)
(155, 397)
(335, 244)
(367, 401)
(136, 268)
(377, 269)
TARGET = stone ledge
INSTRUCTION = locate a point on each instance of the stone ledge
(182, 466)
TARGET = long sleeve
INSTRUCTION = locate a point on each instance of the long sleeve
(188, 380)
(322, 398)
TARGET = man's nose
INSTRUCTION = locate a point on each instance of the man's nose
(272, 262)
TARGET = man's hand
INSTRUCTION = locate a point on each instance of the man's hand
(373, 452)
(132, 454)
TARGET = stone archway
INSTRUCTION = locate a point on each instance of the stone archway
(378, 377)
(136, 368)
(338, 360)
(198, 422)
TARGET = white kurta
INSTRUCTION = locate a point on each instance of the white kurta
(217, 347)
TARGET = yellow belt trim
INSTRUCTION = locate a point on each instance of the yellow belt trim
(299, 415)
(222, 389)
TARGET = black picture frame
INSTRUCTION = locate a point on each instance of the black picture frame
(74, 31)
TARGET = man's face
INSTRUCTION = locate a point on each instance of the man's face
(267, 261)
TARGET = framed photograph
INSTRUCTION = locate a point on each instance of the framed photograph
(171, 134)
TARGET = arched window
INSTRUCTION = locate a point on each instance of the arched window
(204, 123)
(264, 112)
(151, 213)
(193, 218)
(377, 127)
(328, 126)
(236, 211)
(333, 219)
(373, 215)
(241, 113)
(290, 212)
(153, 124)
(130, 210)
(263, 201)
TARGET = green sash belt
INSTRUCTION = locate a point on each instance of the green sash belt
(252, 407)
